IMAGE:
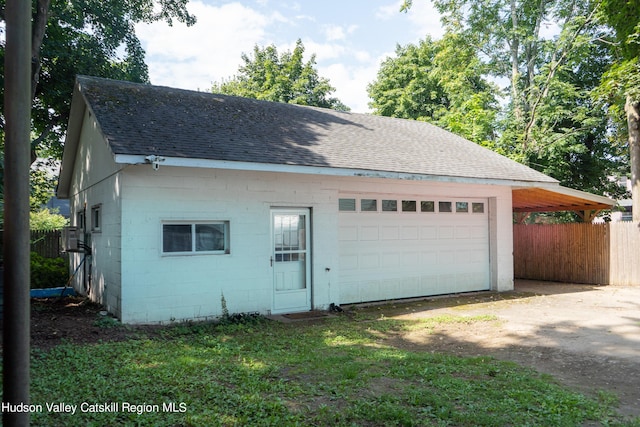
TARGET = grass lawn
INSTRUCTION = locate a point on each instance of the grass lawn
(338, 372)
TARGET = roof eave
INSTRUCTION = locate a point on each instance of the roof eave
(556, 199)
(72, 139)
(161, 161)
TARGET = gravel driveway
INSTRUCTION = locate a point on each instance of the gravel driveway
(587, 336)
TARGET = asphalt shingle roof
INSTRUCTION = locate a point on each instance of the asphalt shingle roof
(139, 119)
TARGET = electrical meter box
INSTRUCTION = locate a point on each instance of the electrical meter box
(70, 239)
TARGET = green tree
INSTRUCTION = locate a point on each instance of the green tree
(440, 82)
(94, 37)
(622, 81)
(42, 184)
(281, 78)
(46, 220)
(549, 120)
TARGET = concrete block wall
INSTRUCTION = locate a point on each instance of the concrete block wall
(165, 288)
(161, 288)
(96, 182)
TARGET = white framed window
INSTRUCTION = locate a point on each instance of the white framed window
(80, 220)
(389, 206)
(477, 207)
(462, 207)
(347, 205)
(444, 207)
(368, 205)
(409, 206)
(96, 218)
(427, 206)
(206, 237)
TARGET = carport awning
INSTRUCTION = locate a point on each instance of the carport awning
(554, 199)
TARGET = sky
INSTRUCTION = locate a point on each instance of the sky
(350, 39)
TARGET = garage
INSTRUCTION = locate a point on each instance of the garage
(409, 246)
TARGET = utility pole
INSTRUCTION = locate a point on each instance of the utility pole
(17, 161)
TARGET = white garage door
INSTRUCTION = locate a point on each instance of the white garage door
(402, 248)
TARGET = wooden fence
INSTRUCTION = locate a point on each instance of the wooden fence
(45, 243)
(579, 253)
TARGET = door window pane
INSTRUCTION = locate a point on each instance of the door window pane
(289, 233)
(462, 207)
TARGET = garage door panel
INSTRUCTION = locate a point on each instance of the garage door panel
(348, 233)
(386, 255)
(411, 286)
(410, 259)
(463, 232)
(410, 233)
(391, 260)
(445, 232)
(429, 232)
(348, 262)
(479, 233)
(430, 258)
(369, 261)
(447, 257)
(390, 232)
(369, 233)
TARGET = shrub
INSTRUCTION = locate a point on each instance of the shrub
(48, 272)
(46, 220)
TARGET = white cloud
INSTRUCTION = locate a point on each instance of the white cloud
(194, 57)
(426, 20)
(348, 54)
(549, 30)
(388, 11)
(362, 56)
(334, 32)
(351, 83)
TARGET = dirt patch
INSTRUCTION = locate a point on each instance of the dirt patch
(76, 320)
(588, 337)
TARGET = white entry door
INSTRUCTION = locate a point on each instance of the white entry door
(291, 260)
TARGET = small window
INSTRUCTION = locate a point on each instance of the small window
(80, 220)
(206, 237)
(444, 207)
(210, 237)
(368, 205)
(462, 206)
(96, 218)
(389, 206)
(477, 207)
(427, 206)
(409, 206)
(347, 205)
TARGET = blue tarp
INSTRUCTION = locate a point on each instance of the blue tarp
(52, 292)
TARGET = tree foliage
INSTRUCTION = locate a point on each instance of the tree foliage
(621, 83)
(281, 78)
(549, 118)
(42, 184)
(440, 82)
(45, 219)
(94, 37)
